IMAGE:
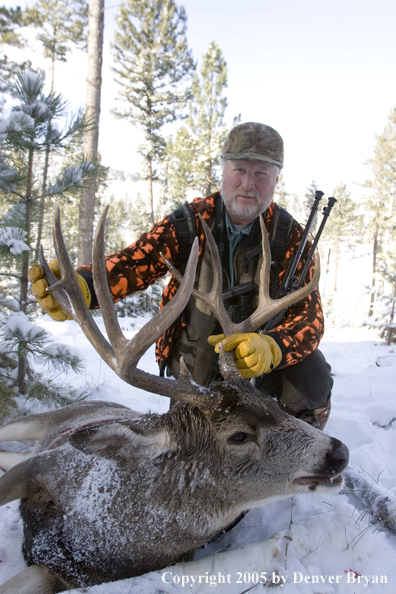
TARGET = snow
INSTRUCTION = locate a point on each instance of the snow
(18, 320)
(71, 177)
(17, 121)
(319, 544)
(13, 238)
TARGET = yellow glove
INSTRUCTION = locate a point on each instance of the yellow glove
(254, 353)
(45, 299)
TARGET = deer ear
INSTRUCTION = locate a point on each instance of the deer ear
(122, 441)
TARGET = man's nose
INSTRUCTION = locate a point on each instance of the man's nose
(248, 181)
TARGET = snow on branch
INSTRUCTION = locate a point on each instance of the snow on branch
(15, 217)
(39, 345)
(17, 121)
(379, 503)
(29, 86)
(72, 177)
(13, 239)
(8, 177)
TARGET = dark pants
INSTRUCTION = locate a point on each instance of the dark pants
(300, 389)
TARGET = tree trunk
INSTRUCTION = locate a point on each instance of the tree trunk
(391, 318)
(150, 189)
(91, 137)
(45, 171)
(337, 257)
(42, 199)
(326, 274)
(23, 303)
(372, 297)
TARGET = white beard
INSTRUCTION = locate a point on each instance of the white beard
(245, 212)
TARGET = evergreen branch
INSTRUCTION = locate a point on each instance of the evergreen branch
(72, 178)
(18, 276)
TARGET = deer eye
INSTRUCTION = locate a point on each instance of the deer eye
(239, 437)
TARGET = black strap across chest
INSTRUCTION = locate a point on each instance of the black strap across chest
(184, 222)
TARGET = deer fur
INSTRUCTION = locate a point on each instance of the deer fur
(133, 493)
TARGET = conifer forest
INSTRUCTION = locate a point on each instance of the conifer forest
(127, 104)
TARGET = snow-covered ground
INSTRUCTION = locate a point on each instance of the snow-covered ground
(322, 544)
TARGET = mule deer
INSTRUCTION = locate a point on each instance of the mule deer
(109, 493)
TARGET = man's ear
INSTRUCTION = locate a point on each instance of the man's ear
(122, 441)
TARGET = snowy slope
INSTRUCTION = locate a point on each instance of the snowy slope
(317, 538)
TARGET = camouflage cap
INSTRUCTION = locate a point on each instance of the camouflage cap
(254, 141)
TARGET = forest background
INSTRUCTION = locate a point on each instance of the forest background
(322, 74)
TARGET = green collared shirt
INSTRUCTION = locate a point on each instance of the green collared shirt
(234, 235)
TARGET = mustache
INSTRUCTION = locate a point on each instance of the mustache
(250, 194)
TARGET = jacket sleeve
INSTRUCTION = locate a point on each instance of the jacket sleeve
(302, 326)
(140, 264)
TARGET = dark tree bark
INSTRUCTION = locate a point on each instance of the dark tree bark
(375, 248)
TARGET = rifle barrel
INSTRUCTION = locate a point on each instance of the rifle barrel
(289, 276)
(290, 285)
(326, 214)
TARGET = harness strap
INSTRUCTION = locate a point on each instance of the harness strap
(185, 224)
(281, 226)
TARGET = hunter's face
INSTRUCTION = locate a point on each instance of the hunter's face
(248, 189)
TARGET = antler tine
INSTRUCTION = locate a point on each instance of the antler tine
(54, 284)
(123, 359)
(212, 299)
(114, 333)
(267, 307)
(79, 309)
(182, 389)
(162, 319)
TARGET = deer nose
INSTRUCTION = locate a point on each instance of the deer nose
(338, 459)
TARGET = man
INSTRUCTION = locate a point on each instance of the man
(284, 360)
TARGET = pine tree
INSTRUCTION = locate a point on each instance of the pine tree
(308, 201)
(192, 156)
(291, 202)
(281, 197)
(23, 136)
(62, 26)
(118, 223)
(381, 204)
(207, 117)
(20, 337)
(386, 271)
(153, 67)
(12, 20)
(343, 227)
(180, 168)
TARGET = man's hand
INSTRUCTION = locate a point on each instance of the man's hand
(254, 353)
(45, 298)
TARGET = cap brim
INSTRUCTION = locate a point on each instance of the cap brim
(251, 157)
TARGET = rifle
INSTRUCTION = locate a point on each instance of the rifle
(290, 282)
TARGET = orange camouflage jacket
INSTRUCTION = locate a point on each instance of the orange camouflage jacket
(139, 265)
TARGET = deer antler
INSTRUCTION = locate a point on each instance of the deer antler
(267, 307)
(120, 354)
(123, 355)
